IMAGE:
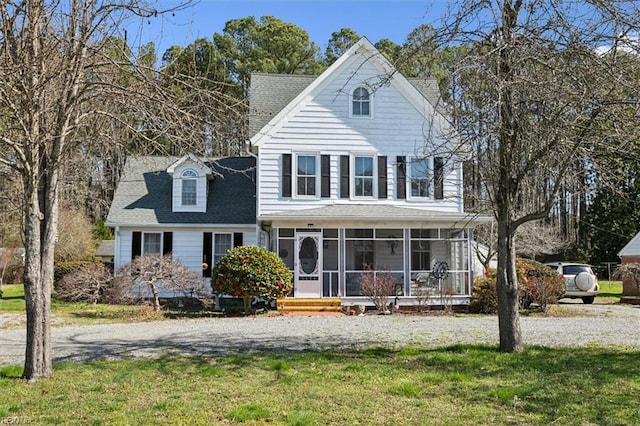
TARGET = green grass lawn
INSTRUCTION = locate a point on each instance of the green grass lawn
(79, 313)
(610, 288)
(460, 385)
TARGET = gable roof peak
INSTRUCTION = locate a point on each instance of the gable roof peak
(191, 158)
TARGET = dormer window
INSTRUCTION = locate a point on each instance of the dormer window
(361, 102)
(189, 188)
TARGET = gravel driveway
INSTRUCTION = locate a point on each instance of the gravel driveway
(597, 325)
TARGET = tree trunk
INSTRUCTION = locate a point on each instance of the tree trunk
(40, 227)
(507, 286)
(156, 297)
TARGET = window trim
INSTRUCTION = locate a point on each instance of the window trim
(374, 177)
(192, 176)
(409, 178)
(295, 176)
(352, 100)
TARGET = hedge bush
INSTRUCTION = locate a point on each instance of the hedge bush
(61, 269)
(538, 284)
(250, 271)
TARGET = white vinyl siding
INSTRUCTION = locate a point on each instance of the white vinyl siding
(323, 124)
(187, 242)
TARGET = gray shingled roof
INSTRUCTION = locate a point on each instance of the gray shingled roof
(270, 93)
(374, 212)
(143, 196)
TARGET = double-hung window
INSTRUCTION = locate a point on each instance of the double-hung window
(361, 102)
(420, 177)
(306, 175)
(189, 188)
(222, 243)
(151, 243)
(363, 176)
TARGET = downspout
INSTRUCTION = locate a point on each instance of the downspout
(116, 250)
(259, 228)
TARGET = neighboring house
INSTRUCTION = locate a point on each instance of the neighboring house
(105, 251)
(195, 209)
(359, 167)
(356, 167)
(630, 254)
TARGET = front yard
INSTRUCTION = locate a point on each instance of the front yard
(458, 385)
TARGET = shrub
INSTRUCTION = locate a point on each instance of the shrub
(86, 284)
(63, 268)
(153, 274)
(540, 284)
(250, 271)
(537, 284)
(628, 272)
(484, 299)
(377, 287)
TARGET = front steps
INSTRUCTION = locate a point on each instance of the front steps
(308, 305)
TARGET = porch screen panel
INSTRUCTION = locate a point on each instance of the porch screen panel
(286, 175)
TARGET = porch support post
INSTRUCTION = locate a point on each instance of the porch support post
(406, 241)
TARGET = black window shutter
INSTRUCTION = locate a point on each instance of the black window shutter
(438, 178)
(286, 175)
(167, 243)
(401, 177)
(382, 176)
(237, 239)
(207, 240)
(325, 178)
(344, 176)
(136, 245)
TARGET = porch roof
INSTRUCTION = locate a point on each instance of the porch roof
(365, 213)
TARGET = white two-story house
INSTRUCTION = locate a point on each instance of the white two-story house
(355, 168)
(359, 167)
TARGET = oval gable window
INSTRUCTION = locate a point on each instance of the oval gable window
(308, 255)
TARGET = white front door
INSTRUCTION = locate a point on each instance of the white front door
(308, 265)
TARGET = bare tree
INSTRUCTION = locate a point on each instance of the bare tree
(65, 83)
(152, 275)
(539, 103)
(531, 239)
(628, 271)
